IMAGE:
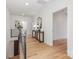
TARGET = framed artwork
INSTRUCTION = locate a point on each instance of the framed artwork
(14, 32)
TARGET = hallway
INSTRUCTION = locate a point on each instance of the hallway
(36, 50)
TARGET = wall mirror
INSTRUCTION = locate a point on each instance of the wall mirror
(39, 22)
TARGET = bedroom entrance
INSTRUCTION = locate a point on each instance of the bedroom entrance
(60, 29)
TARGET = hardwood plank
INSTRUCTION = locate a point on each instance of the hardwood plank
(36, 50)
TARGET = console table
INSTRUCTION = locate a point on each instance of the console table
(38, 35)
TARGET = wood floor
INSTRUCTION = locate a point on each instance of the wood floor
(36, 50)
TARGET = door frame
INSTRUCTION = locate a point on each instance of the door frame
(53, 23)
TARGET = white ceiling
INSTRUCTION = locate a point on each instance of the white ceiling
(18, 7)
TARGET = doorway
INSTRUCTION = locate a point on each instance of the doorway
(60, 29)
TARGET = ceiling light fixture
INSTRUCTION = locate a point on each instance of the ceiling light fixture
(26, 4)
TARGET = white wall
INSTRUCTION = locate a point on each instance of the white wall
(60, 25)
(47, 16)
(7, 33)
(9, 43)
(27, 20)
(10, 24)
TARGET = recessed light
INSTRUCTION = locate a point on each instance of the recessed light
(26, 4)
